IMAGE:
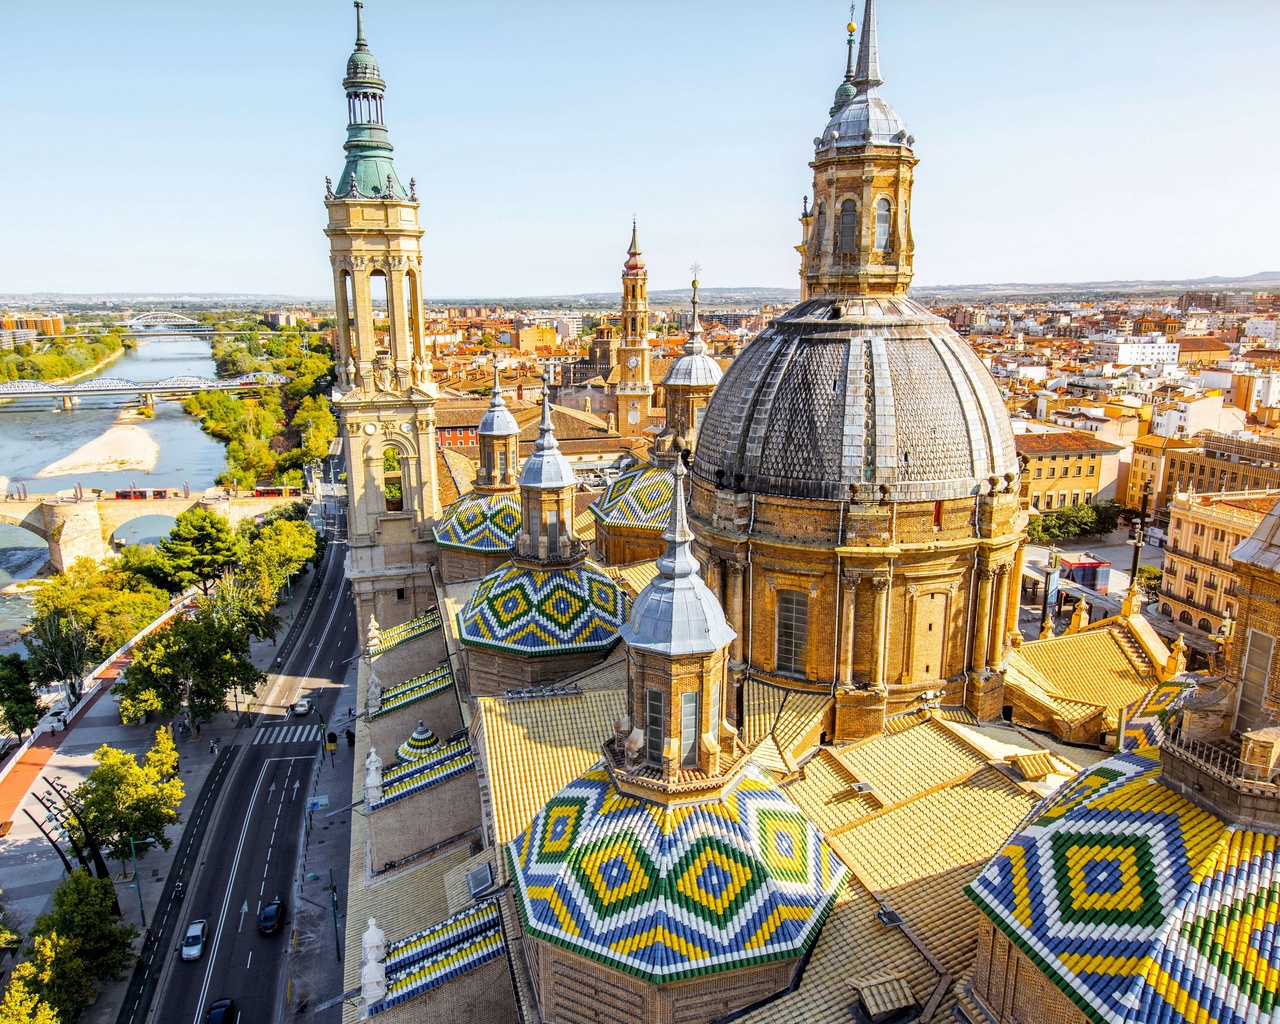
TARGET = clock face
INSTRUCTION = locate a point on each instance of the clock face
(633, 362)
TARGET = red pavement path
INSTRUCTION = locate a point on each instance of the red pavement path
(15, 785)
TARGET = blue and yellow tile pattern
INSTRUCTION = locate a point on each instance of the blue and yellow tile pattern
(670, 892)
(640, 497)
(394, 636)
(1139, 905)
(1146, 721)
(411, 691)
(484, 523)
(544, 611)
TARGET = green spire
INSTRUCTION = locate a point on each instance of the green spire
(368, 172)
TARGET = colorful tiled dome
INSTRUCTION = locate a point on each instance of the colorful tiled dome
(667, 892)
(419, 745)
(486, 523)
(640, 497)
(1139, 905)
(544, 611)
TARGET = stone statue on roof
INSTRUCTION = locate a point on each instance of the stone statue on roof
(373, 944)
(373, 985)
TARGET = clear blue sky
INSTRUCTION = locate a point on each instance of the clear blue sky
(169, 146)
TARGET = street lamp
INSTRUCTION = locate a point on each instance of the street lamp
(137, 882)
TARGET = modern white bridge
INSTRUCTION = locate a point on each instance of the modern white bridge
(170, 387)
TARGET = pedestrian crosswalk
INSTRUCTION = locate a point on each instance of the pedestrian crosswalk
(289, 734)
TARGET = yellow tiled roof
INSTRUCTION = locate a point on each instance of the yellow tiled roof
(634, 577)
(906, 763)
(760, 707)
(823, 793)
(798, 716)
(533, 749)
(1094, 666)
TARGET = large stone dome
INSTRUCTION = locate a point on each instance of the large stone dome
(873, 393)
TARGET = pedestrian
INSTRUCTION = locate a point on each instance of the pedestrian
(351, 711)
(211, 746)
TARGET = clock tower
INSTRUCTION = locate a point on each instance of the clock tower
(635, 388)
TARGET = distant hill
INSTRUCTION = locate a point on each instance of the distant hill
(1095, 289)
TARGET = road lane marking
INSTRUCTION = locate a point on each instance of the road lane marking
(250, 963)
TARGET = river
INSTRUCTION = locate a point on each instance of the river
(33, 436)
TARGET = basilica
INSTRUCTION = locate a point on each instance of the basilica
(752, 733)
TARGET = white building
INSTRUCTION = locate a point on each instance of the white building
(1265, 329)
(1149, 351)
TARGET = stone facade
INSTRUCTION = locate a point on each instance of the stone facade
(1013, 990)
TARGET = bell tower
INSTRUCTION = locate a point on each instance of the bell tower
(635, 388)
(386, 393)
(857, 235)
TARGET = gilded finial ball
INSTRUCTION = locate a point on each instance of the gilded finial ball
(852, 28)
(695, 282)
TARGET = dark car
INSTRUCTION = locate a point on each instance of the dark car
(272, 917)
(221, 1011)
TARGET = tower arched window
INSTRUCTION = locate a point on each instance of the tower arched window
(884, 220)
(847, 234)
(820, 241)
(392, 481)
(792, 638)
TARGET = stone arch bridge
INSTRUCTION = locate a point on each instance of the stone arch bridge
(83, 528)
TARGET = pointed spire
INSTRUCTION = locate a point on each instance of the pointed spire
(546, 434)
(634, 249)
(497, 401)
(867, 75)
(695, 346)
(677, 562)
(360, 41)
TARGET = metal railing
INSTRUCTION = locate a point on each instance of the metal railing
(1222, 765)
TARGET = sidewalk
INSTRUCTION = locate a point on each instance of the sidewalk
(29, 866)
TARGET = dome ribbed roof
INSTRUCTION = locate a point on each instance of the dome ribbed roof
(886, 395)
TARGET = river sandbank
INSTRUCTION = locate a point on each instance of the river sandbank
(123, 447)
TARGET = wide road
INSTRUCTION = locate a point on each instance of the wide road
(245, 852)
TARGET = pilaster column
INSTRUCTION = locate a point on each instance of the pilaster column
(999, 618)
(880, 614)
(1015, 592)
(712, 574)
(736, 570)
(844, 641)
(982, 618)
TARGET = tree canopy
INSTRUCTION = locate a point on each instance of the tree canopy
(23, 1002)
(109, 600)
(59, 650)
(200, 548)
(19, 705)
(122, 799)
(81, 943)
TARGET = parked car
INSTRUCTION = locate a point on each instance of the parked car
(221, 1011)
(193, 941)
(272, 917)
(303, 707)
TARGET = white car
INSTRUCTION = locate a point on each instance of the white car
(303, 707)
(193, 941)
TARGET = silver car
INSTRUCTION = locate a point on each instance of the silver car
(193, 941)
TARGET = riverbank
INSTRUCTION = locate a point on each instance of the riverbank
(97, 367)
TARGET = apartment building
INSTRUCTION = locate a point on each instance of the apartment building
(1151, 350)
(1149, 467)
(1199, 586)
(1066, 467)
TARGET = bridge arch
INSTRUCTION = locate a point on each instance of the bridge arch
(157, 318)
(27, 516)
(145, 528)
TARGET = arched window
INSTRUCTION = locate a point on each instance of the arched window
(392, 489)
(884, 218)
(847, 240)
(793, 631)
(820, 230)
(1165, 609)
(1205, 626)
(1185, 617)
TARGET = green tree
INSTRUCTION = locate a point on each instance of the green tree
(23, 1001)
(199, 548)
(1045, 528)
(109, 600)
(1149, 580)
(58, 651)
(1078, 520)
(278, 552)
(83, 926)
(145, 562)
(122, 799)
(1107, 515)
(19, 705)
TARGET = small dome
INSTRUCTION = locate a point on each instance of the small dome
(676, 614)
(535, 612)
(693, 370)
(640, 498)
(734, 880)
(844, 94)
(547, 468)
(873, 392)
(484, 523)
(497, 420)
(422, 743)
(362, 67)
(864, 118)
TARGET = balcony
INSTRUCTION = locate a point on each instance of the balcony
(1215, 779)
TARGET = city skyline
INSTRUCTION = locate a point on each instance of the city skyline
(535, 134)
